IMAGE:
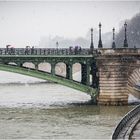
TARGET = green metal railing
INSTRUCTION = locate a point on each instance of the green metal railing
(45, 51)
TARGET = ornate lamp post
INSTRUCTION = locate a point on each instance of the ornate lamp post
(57, 44)
(100, 40)
(125, 39)
(91, 45)
(113, 43)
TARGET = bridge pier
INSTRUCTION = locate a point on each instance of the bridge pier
(85, 72)
(112, 83)
(69, 71)
(114, 67)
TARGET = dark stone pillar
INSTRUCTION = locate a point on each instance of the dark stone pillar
(95, 79)
(19, 64)
(85, 72)
(69, 71)
(36, 66)
(53, 69)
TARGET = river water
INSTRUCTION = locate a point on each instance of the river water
(32, 108)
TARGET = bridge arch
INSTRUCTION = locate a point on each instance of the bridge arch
(12, 63)
(60, 69)
(133, 83)
(76, 71)
(44, 66)
(29, 65)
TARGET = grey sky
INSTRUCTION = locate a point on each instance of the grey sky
(23, 23)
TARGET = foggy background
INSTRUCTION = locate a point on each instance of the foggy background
(44, 23)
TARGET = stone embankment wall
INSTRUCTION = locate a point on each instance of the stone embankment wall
(126, 127)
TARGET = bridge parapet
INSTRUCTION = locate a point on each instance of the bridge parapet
(119, 51)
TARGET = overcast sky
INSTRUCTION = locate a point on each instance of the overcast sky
(23, 23)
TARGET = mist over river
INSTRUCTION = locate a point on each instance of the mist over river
(31, 108)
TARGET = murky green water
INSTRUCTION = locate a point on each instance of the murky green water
(74, 122)
(45, 111)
